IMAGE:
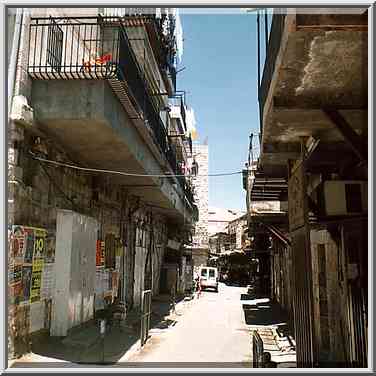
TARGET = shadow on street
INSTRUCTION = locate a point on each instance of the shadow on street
(84, 344)
(261, 311)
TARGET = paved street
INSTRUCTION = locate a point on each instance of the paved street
(212, 330)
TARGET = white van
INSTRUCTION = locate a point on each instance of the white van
(209, 277)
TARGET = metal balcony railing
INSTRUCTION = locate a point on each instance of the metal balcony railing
(95, 48)
(272, 46)
(73, 48)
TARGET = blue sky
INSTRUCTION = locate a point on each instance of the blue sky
(220, 56)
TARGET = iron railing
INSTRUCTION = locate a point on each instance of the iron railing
(73, 48)
(272, 46)
(95, 48)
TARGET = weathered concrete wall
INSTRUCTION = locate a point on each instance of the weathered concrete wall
(98, 115)
(328, 298)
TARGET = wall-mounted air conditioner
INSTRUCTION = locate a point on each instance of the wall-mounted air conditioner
(344, 197)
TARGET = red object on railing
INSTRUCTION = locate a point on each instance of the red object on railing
(86, 65)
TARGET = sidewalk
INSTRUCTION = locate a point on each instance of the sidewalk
(84, 345)
(271, 323)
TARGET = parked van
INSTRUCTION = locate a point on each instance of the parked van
(209, 277)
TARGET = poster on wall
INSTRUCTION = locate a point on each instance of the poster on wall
(26, 283)
(50, 248)
(17, 244)
(36, 280)
(29, 247)
(99, 254)
(15, 283)
(37, 266)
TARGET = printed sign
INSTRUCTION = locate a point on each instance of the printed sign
(50, 248)
(17, 244)
(99, 254)
(36, 280)
(29, 248)
(26, 282)
(37, 266)
(15, 283)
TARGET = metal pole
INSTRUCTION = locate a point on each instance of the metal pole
(13, 57)
(250, 154)
(258, 51)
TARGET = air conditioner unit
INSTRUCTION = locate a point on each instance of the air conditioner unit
(344, 197)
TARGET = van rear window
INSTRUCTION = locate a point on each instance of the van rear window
(211, 273)
(204, 272)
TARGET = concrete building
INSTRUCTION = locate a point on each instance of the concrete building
(93, 89)
(313, 110)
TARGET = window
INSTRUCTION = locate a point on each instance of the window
(211, 273)
(203, 272)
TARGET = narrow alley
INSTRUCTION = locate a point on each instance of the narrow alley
(188, 187)
(213, 330)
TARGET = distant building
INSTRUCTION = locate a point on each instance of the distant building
(237, 230)
(219, 243)
(219, 218)
(200, 183)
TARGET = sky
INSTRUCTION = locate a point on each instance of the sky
(220, 77)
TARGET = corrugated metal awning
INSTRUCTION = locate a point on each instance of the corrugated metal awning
(268, 189)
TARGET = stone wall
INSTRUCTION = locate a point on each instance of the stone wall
(201, 189)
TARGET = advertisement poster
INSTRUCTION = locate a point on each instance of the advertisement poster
(17, 244)
(29, 248)
(36, 280)
(26, 282)
(15, 283)
(50, 248)
(102, 252)
(39, 244)
(99, 254)
(38, 261)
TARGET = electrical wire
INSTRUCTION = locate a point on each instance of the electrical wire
(125, 173)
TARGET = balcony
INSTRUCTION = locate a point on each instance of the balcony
(313, 61)
(94, 49)
(153, 19)
(88, 57)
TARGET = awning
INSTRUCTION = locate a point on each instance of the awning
(268, 188)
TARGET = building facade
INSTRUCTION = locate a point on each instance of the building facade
(219, 218)
(94, 209)
(313, 111)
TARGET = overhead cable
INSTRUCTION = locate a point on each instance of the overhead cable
(56, 163)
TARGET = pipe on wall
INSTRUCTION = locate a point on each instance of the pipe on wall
(13, 57)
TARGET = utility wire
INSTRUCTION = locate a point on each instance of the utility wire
(124, 173)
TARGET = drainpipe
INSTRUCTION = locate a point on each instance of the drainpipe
(13, 58)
